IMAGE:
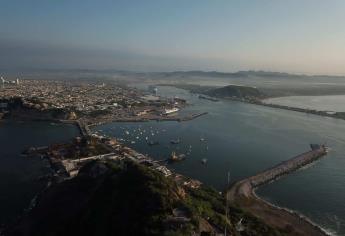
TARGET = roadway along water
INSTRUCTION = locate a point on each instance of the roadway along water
(18, 175)
(245, 139)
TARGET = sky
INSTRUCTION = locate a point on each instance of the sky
(296, 36)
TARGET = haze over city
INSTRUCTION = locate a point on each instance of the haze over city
(159, 35)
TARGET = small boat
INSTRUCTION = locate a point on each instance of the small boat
(152, 143)
(176, 141)
(177, 157)
(202, 140)
(203, 161)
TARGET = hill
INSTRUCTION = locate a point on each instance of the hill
(235, 91)
(130, 199)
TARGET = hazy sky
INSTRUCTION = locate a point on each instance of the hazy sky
(302, 36)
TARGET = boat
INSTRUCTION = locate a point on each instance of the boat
(175, 141)
(169, 111)
(208, 98)
(203, 161)
(177, 157)
(152, 143)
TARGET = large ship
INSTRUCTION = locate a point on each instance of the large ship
(169, 111)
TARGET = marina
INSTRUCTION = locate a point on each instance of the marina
(246, 139)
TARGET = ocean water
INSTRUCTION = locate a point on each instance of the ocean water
(19, 175)
(321, 103)
(244, 139)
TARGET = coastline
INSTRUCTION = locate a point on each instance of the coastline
(259, 102)
(242, 194)
(295, 213)
(260, 200)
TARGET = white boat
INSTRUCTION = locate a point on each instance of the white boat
(169, 111)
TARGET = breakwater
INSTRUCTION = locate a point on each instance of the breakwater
(287, 167)
(242, 194)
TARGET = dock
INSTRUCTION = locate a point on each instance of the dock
(84, 128)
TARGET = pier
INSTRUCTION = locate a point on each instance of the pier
(84, 128)
(287, 167)
(246, 186)
(242, 193)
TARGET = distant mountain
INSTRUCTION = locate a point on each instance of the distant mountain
(239, 74)
(242, 74)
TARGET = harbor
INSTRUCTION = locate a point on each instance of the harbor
(244, 139)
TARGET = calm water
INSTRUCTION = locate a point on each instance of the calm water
(18, 175)
(244, 139)
(321, 103)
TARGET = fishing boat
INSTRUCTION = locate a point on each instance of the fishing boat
(152, 143)
(177, 157)
(175, 141)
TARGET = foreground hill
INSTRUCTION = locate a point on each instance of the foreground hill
(130, 199)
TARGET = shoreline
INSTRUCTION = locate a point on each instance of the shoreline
(242, 193)
(293, 212)
(259, 102)
(259, 199)
(334, 115)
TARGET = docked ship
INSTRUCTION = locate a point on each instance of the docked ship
(169, 111)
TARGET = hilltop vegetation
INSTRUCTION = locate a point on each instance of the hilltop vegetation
(124, 198)
(235, 91)
(229, 91)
